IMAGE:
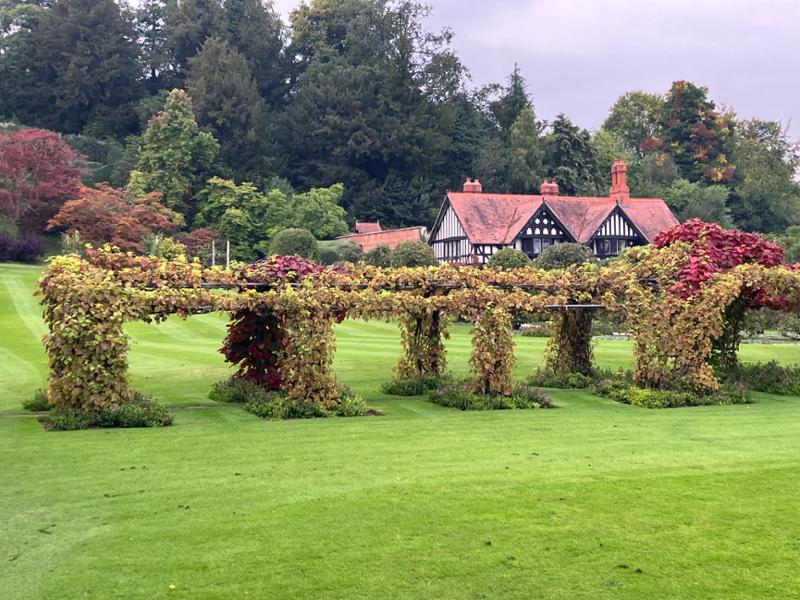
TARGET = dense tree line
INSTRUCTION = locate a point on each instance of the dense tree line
(226, 111)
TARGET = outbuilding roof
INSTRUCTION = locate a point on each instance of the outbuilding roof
(386, 237)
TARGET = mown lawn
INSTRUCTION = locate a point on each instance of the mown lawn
(593, 500)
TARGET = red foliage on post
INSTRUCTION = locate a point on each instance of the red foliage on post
(255, 340)
(714, 250)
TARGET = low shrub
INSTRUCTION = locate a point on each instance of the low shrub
(290, 242)
(628, 393)
(277, 405)
(339, 251)
(68, 421)
(24, 248)
(350, 404)
(141, 411)
(379, 256)
(413, 386)
(568, 381)
(509, 258)
(38, 402)
(769, 377)
(412, 254)
(459, 394)
(235, 390)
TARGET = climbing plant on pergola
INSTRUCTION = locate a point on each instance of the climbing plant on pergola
(284, 311)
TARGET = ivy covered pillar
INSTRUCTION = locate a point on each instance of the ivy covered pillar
(306, 363)
(569, 349)
(422, 334)
(86, 346)
(492, 358)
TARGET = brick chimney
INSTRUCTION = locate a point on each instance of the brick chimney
(549, 188)
(619, 181)
(473, 187)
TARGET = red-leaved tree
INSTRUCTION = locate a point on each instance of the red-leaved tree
(109, 215)
(198, 242)
(715, 250)
(38, 173)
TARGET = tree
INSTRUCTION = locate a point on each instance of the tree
(339, 251)
(174, 155)
(695, 201)
(18, 19)
(766, 194)
(379, 256)
(85, 69)
(242, 215)
(561, 256)
(227, 103)
(509, 258)
(609, 147)
(318, 210)
(413, 254)
(656, 172)
(789, 240)
(370, 105)
(189, 23)
(696, 135)
(515, 99)
(109, 215)
(257, 32)
(291, 242)
(635, 119)
(154, 44)
(38, 172)
(572, 160)
(526, 170)
(198, 242)
(493, 165)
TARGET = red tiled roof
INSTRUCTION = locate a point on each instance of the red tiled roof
(651, 216)
(581, 215)
(387, 237)
(493, 218)
(498, 218)
(367, 227)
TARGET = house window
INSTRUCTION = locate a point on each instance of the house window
(611, 247)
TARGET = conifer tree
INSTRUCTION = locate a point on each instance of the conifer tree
(84, 68)
(227, 103)
(512, 103)
(189, 24)
(257, 32)
(154, 43)
(572, 160)
(526, 153)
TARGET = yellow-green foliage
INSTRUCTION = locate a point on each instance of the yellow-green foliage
(87, 301)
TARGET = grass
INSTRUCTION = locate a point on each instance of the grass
(594, 500)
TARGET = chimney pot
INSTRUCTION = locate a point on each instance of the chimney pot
(473, 186)
(619, 181)
(549, 188)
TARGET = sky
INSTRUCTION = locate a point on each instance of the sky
(578, 56)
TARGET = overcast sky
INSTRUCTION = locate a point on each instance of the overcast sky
(580, 55)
